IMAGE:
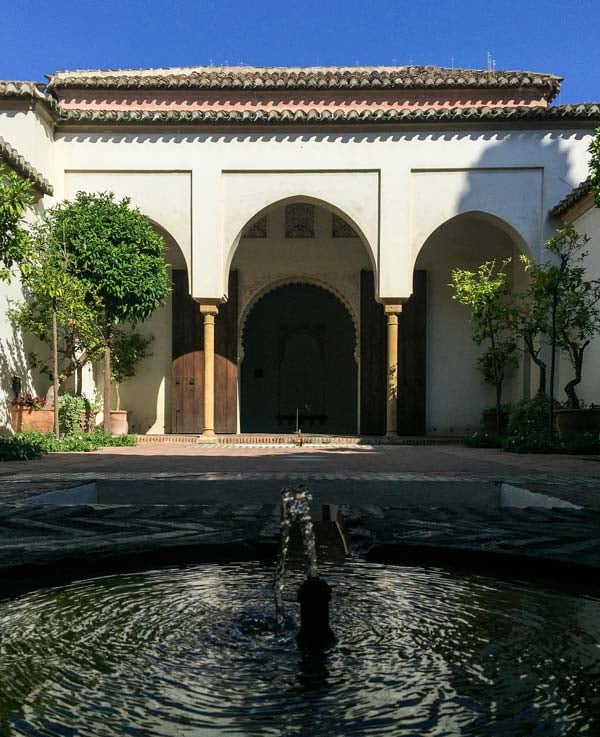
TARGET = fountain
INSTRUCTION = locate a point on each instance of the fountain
(314, 594)
(194, 648)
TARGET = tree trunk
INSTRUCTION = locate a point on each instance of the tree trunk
(79, 380)
(497, 380)
(534, 355)
(106, 401)
(577, 361)
(553, 360)
(55, 381)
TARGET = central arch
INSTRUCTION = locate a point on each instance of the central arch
(299, 359)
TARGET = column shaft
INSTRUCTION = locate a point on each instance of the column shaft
(209, 312)
(392, 312)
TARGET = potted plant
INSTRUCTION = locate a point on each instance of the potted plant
(29, 412)
(574, 320)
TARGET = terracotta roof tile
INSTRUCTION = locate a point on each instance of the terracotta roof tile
(575, 195)
(17, 162)
(584, 112)
(33, 90)
(278, 78)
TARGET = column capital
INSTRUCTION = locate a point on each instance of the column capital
(393, 309)
(209, 310)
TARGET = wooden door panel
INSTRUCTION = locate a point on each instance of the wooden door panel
(226, 372)
(187, 372)
(373, 358)
(412, 359)
(187, 368)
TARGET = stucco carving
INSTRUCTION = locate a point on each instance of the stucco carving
(341, 229)
(257, 229)
(250, 296)
(299, 220)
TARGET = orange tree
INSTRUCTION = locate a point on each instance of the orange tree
(114, 250)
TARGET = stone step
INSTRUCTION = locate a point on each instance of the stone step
(293, 439)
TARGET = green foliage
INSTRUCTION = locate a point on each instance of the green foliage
(571, 301)
(72, 412)
(486, 292)
(15, 198)
(528, 427)
(529, 417)
(51, 285)
(483, 440)
(77, 442)
(128, 350)
(505, 355)
(595, 166)
(116, 253)
(579, 443)
(528, 319)
(19, 448)
(121, 260)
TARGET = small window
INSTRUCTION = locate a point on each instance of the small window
(299, 221)
(341, 229)
(257, 229)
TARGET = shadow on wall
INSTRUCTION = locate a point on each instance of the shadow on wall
(495, 209)
(14, 362)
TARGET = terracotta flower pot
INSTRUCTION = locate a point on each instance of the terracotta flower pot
(27, 418)
(578, 420)
(488, 421)
(119, 422)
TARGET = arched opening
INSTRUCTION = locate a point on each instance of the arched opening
(151, 409)
(456, 394)
(299, 364)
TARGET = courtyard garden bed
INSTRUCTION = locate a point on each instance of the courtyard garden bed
(32, 444)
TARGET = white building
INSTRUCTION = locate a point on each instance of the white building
(314, 215)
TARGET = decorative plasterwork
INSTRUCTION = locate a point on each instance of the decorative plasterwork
(258, 292)
(299, 220)
(15, 161)
(265, 78)
(341, 229)
(257, 229)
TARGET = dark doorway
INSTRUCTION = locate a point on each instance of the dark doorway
(299, 342)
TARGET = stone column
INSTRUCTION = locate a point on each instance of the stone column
(209, 312)
(392, 312)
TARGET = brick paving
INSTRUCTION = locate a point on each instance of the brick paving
(233, 493)
(573, 478)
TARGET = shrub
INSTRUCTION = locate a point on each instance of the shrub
(577, 443)
(20, 448)
(528, 427)
(483, 440)
(532, 442)
(529, 416)
(72, 412)
(83, 441)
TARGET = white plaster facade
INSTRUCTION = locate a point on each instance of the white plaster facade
(400, 186)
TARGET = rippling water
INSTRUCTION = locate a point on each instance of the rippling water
(194, 651)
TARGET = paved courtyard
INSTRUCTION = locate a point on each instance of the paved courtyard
(227, 498)
(573, 478)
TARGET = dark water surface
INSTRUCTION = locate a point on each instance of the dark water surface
(193, 651)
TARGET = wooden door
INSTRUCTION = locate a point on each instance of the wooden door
(373, 359)
(187, 368)
(412, 359)
(226, 361)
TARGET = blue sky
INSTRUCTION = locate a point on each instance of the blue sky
(37, 38)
